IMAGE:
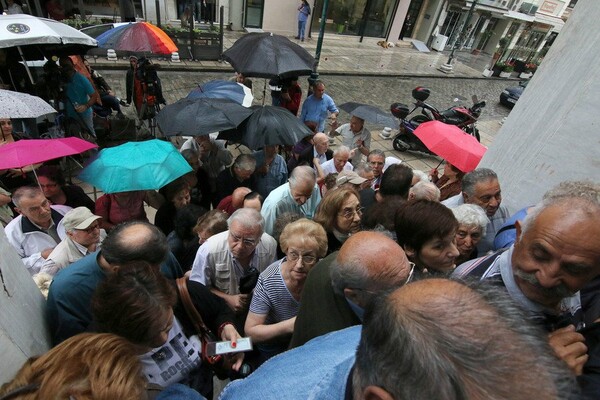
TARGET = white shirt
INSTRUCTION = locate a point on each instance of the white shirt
(328, 167)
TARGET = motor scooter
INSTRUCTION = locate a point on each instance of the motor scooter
(463, 117)
(406, 139)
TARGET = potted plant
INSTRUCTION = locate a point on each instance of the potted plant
(507, 70)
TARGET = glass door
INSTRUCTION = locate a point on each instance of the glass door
(254, 13)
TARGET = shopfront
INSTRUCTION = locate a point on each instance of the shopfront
(356, 17)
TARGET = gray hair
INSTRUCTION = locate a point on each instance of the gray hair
(363, 168)
(467, 342)
(26, 192)
(302, 174)
(477, 176)
(248, 218)
(423, 177)
(583, 195)
(245, 162)
(425, 190)
(376, 152)
(471, 215)
(119, 248)
(342, 150)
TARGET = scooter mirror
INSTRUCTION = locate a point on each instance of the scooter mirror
(475, 99)
(458, 97)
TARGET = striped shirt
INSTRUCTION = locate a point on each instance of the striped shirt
(271, 296)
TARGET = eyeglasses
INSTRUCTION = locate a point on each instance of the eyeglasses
(348, 213)
(90, 229)
(245, 241)
(305, 258)
(411, 273)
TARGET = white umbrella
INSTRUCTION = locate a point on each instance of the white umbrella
(25, 30)
(22, 105)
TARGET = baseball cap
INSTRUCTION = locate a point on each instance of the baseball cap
(79, 218)
(349, 176)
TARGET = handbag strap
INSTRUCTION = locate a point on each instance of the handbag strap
(191, 310)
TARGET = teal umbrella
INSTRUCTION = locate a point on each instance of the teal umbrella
(147, 165)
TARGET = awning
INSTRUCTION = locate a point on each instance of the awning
(519, 16)
(556, 22)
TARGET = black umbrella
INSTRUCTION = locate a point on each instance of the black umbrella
(370, 114)
(195, 117)
(268, 125)
(265, 55)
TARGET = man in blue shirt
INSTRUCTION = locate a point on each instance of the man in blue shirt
(317, 106)
(80, 95)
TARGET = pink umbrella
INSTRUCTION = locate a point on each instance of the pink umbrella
(451, 143)
(27, 152)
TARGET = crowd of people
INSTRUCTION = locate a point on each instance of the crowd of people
(444, 292)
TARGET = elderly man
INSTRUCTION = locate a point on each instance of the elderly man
(317, 106)
(228, 259)
(555, 255)
(376, 159)
(69, 305)
(338, 288)
(38, 228)
(299, 196)
(319, 149)
(337, 164)
(238, 175)
(481, 187)
(84, 236)
(354, 136)
(234, 201)
(431, 339)
(80, 95)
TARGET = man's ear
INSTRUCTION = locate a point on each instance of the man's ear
(519, 230)
(376, 393)
(17, 209)
(465, 197)
(410, 252)
(352, 295)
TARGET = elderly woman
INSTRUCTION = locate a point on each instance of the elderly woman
(276, 297)
(52, 182)
(450, 183)
(340, 214)
(472, 223)
(177, 194)
(139, 304)
(426, 230)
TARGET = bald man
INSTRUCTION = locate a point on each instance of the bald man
(430, 339)
(339, 286)
(234, 201)
(319, 149)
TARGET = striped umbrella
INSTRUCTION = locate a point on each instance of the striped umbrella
(138, 37)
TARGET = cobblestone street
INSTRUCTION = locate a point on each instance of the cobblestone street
(378, 91)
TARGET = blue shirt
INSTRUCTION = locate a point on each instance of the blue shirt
(316, 110)
(277, 174)
(317, 370)
(78, 90)
(281, 201)
(303, 13)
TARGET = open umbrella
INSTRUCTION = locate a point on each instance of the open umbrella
(223, 90)
(268, 125)
(370, 114)
(28, 152)
(137, 37)
(194, 117)
(451, 143)
(147, 165)
(37, 37)
(22, 105)
(265, 55)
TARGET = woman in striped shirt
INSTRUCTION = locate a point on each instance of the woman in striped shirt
(276, 298)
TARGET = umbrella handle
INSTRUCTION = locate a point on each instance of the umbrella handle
(439, 164)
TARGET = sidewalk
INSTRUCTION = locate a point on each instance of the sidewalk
(345, 55)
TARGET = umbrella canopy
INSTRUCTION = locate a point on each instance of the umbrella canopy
(22, 105)
(370, 114)
(27, 152)
(223, 90)
(195, 117)
(268, 125)
(147, 165)
(41, 36)
(265, 55)
(451, 143)
(138, 37)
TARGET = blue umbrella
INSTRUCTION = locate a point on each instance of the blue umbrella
(223, 90)
(147, 165)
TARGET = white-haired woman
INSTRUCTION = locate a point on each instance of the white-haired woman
(472, 223)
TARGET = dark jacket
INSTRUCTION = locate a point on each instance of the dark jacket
(307, 156)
